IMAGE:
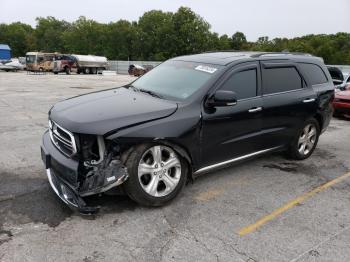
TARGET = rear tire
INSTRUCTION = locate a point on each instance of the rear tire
(156, 174)
(305, 141)
(67, 70)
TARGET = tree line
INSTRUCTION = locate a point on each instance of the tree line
(157, 35)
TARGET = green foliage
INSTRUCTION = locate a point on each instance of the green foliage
(192, 32)
(334, 49)
(120, 39)
(157, 35)
(48, 33)
(19, 36)
(224, 42)
(85, 36)
(239, 41)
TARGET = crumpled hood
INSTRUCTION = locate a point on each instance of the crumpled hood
(104, 111)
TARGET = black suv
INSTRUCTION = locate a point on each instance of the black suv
(190, 115)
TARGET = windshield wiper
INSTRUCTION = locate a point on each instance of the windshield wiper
(145, 91)
(150, 93)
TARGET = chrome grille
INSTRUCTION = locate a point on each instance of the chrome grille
(62, 139)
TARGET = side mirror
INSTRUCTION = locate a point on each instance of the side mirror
(222, 98)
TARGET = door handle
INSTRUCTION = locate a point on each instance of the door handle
(255, 109)
(308, 100)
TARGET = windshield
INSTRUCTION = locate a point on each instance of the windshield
(30, 59)
(176, 79)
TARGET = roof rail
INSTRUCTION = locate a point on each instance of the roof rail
(226, 50)
(280, 53)
(257, 53)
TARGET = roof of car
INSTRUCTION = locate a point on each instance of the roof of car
(227, 57)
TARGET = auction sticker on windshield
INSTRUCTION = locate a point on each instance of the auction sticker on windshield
(206, 69)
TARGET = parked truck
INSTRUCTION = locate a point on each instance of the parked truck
(86, 64)
(64, 63)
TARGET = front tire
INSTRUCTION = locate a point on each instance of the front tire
(67, 70)
(156, 174)
(306, 140)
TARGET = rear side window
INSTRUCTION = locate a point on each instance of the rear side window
(314, 73)
(276, 80)
(242, 83)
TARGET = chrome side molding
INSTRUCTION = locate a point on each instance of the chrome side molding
(212, 167)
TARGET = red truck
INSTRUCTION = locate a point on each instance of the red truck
(86, 64)
(63, 63)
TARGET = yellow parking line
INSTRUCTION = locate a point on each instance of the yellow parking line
(290, 204)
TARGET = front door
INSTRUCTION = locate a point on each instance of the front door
(232, 131)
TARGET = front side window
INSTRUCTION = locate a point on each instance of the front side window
(177, 79)
(243, 83)
(276, 80)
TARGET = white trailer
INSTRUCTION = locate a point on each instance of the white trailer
(90, 64)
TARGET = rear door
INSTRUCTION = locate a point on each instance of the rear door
(233, 131)
(287, 102)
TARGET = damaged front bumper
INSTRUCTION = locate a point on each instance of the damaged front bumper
(68, 196)
(64, 177)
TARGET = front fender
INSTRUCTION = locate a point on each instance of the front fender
(180, 133)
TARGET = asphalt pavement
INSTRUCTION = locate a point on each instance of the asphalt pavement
(266, 209)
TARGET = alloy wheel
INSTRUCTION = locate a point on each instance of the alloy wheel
(307, 139)
(159, 171)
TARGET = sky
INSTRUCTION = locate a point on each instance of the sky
(255, 18)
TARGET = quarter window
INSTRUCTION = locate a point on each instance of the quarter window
(314, 73)
(242, 83)
(276, 80)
